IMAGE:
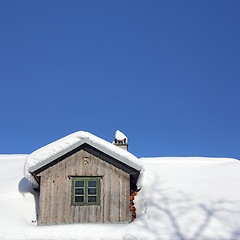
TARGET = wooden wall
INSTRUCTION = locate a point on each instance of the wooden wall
(55, 191)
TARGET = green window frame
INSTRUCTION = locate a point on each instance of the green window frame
(85, 191)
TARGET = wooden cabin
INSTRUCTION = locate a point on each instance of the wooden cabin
(83, 178)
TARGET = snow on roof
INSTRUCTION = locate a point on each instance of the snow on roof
(50, 152)
(120, 136)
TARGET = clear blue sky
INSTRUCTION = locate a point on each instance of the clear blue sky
(166, 73)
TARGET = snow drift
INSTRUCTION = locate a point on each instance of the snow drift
(181, 198)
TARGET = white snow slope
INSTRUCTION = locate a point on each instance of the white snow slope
(181, 198)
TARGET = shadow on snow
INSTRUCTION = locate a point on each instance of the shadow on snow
(25, 186)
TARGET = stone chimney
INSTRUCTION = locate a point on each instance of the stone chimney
(121, 140)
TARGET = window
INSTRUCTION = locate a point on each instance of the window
(85, 191)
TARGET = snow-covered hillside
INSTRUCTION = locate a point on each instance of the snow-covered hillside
(181, 198)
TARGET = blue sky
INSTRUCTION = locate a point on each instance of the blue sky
(166, 73)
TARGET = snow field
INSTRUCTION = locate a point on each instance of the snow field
(181, 198)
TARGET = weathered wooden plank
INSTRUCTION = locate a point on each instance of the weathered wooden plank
(121, 197)
(60, 193)
(55, 196)
(84, 168)
(60, 200)
(47, 201)
(58, 179)
(46, 197)
(71, 169)
(112, 195)
(75, 173)
(86, 208)
(91, 213)
(94, 171)
(100, 209)
(68, 196)
(76, 213)
(89, 165)
(50, 202)
(82, 214)
(79, 172)
(127, 196)
(42, 201)
(107, 191)
(76, 167)
(124, 197)
(117, 195)
(40, 212)
(94, 166)
(100, 212)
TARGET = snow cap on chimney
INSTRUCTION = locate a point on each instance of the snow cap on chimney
(121, 140)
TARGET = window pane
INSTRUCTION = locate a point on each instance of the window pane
(92, 183)
(79, 198)
(79, 191)
(92, 199)
(92, 191)
(79, 184)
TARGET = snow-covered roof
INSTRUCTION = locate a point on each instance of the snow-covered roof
(120, 136)
(52, 151)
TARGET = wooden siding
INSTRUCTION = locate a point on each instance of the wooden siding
(55, 190)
